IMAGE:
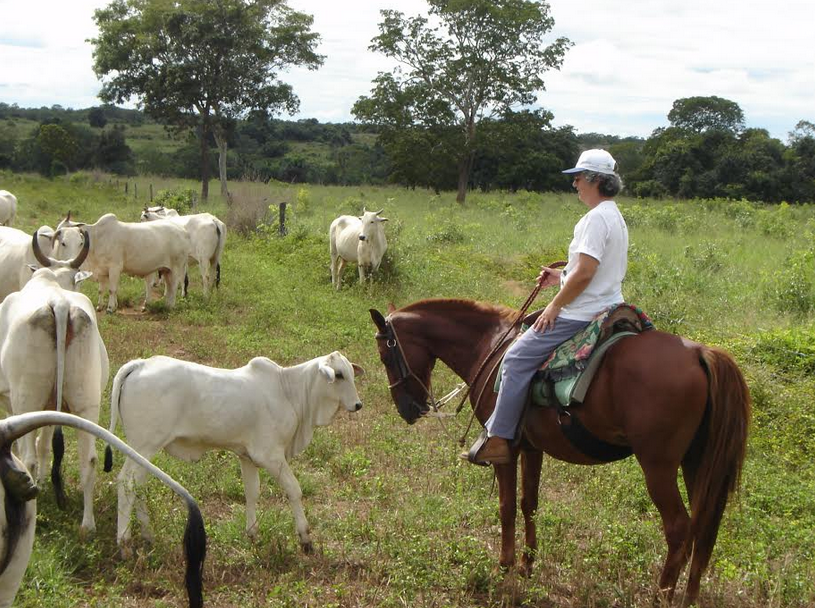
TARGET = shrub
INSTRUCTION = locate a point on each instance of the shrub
(181, 199)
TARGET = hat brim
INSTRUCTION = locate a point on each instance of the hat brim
(574, 170)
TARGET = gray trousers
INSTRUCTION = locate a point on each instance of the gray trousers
(524, 357)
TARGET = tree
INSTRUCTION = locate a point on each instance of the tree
(202, 63)
(699, 114)
(97, 118)
(58, 147)
(475, 59)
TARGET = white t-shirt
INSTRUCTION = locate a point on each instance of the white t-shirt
(603, 235)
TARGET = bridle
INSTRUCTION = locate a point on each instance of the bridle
(397, 356)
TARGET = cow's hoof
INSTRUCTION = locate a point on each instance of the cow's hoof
(125, 550)
(85, 532)
(307, 547)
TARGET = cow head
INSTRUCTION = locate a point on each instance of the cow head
(371, 222)
(67, 272)
(338, 389)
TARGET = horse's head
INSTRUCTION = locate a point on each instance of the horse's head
(408, 366)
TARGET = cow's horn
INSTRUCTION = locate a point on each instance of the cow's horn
(43, 259)
(86, 246)
(380, 211)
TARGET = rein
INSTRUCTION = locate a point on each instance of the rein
(527, 303)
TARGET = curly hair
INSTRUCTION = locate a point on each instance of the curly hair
(607, 184)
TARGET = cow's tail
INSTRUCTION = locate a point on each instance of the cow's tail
(62, 309)
(195, 537)
(115, 399)
(220, 230)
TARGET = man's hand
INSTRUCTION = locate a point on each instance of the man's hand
(548, 277)
(547, 318)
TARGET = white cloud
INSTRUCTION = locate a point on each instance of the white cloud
(629, 63)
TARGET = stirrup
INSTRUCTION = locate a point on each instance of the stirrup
(476, 447)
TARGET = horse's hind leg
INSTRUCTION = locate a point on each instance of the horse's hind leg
(507, 475)
(530, 482)
(660, 477)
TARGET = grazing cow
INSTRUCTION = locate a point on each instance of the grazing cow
(262, 412)
(357, 239)
(134, 248)
(51, 355)
(18, 506)
(207, 236)
(8, 208)
(20, 255)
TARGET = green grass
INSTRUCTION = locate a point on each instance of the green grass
(396, 518)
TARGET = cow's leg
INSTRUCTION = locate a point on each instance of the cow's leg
(130, 477)
(148, 291)
(86, 448)
(113, 288)
(103, 288)
(251, 488)
(340, 267)
(43, 443)
(280, 470)
(206, 273)
(144, 520)
(171, 282)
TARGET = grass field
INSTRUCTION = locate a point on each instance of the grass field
(396, 517)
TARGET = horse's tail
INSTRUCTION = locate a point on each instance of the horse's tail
(722, 450)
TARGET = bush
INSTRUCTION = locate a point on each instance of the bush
(180, 199)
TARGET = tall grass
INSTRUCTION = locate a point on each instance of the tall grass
(397, 519)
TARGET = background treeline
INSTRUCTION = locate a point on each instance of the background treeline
(698, 156)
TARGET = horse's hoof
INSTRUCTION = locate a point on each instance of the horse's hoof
(125, 551)
(307, 547)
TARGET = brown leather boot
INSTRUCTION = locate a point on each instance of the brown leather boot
(488, 450)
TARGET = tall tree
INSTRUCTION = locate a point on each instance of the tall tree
(202, 63)
(699, 114)
(469, 60)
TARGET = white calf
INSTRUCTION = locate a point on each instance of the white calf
(134, 248)
(357, 239)
(18, 506)
(8, 208)
(262, 412)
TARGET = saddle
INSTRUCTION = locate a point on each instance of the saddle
(565, 377)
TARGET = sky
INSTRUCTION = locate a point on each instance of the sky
(630, 60)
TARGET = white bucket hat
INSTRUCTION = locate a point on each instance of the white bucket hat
(596, 160)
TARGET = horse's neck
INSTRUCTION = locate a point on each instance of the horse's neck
(462, 342)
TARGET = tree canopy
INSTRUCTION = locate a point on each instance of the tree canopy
(202, 63)
(468, 60)
(700, 114)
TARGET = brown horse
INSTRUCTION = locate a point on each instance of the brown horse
(671, 401)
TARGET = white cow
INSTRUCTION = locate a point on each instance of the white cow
(8, 208)
(21, 253)
(52, 356)
(262, 412)
(134, 248)
(207, 235)
(18, 506)
(357, 239)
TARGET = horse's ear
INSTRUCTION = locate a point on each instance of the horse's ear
(391, 307)
(378, 319)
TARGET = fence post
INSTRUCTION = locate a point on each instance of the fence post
(282, 219)
(125, 187)
(151, 193)
(135, 190)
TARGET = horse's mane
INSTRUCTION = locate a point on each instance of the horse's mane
(462, 305)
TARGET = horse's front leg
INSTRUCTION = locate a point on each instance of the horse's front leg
(507, 475)
(531, 462)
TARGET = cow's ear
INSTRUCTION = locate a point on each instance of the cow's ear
(33, 267)
(378, 319)
(358, 371)
(391, 308)
(81, 276)
(327, 371)
(382, 219)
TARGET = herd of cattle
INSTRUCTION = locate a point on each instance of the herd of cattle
(53, 357)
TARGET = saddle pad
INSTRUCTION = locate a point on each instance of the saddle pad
(560, 373)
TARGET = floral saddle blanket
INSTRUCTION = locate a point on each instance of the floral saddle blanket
(564, 378)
